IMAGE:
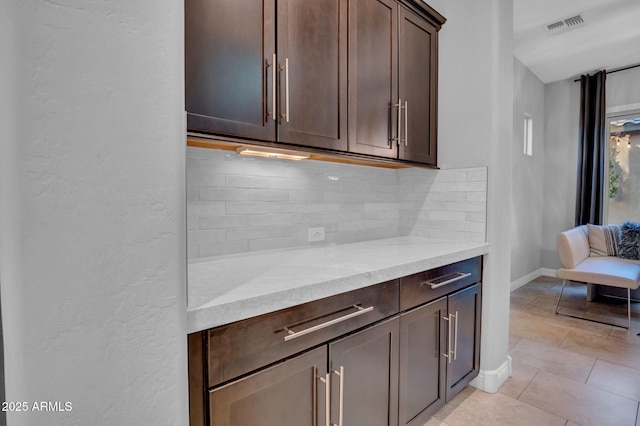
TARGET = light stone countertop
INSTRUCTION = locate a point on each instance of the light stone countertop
(231, 288)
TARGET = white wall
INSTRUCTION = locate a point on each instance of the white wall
(562, 112)
(92, 254)
(475, 128)
(623, 90)
(527, 171)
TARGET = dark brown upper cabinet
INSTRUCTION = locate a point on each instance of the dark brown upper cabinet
(241, 82)
(393, 62)
(373, 77)
(228, 67)
(282, 70)
(418, 88)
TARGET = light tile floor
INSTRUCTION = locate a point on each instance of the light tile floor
(566, 371)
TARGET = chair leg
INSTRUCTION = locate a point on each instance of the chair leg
(560, 295)
(564, 282)
(629, 307)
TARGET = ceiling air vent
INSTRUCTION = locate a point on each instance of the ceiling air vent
(574, 21)
(556, 27)
(565, 24)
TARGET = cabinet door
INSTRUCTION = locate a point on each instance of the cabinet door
(289, 394)
(418, 88)
(464, 310)
(365, 367)
(373, 77)
(228, 54)
(422, 366)
(312, 40)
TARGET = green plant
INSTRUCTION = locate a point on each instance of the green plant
(614, 181)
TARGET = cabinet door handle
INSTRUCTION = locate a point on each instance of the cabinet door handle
(273, 86)
(455, 341)
(448, 354)
(286, 89)
(398, 139)
(340, 374)
(406, 123)
(294, 334)
(448, 279)
(327, 397)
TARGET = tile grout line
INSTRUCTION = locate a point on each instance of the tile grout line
(530, 381)
(591, 371)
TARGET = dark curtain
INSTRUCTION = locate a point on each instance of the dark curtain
(591, 149)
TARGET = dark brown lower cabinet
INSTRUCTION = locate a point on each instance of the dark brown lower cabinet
(439, 353)
(464, 313)
(364, 384)
(362, 378)
(289, 393)
(423, 336)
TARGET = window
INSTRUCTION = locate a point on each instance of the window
(528, 135)
(623, 184)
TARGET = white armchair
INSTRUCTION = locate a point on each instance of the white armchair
(579, 265)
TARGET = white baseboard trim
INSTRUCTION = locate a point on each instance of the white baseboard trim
(523, 280)
(490, 381)
(532, 276)
(548, 272)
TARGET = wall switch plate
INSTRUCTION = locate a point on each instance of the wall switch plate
(316, 234)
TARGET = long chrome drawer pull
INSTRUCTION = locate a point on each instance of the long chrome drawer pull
(456, 276)
(293, 334)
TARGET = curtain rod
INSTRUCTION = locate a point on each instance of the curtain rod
(615, 70)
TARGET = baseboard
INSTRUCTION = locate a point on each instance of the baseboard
(532, 276)
(523, 280)
(490, 381)
(548, 272)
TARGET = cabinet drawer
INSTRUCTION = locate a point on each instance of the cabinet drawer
(426, 286)
(239, 348)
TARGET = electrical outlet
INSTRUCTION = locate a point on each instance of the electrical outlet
(316, 234)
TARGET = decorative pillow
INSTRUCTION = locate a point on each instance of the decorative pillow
(629, 246)
(603, 240)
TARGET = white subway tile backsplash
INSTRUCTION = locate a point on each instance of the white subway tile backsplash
(477, 175)
(439, 187)
(238, 204)
(442, 215)
(202, 209)
(452, 176)
(219, 249)
(205, 178)
(468, 206)
(264, 208)
(237, 181)
(269, 195)
(476, 216)
(466, 186)
(221, 222)
(207, 193)
(261, 232)
(192, 165)
(477, 196)
(447, 196)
